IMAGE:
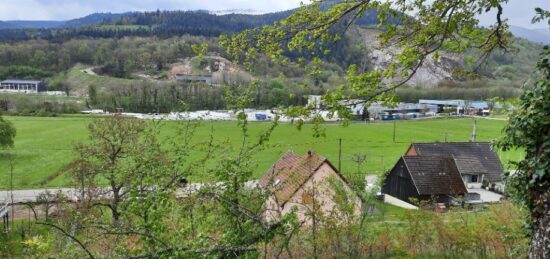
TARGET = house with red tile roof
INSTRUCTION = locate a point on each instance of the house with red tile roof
(302, 183)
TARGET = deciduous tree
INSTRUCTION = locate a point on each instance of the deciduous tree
(7, 133)
(529, 129)
(114, 145)
(413, 31)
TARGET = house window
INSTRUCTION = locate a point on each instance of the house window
(474, 179)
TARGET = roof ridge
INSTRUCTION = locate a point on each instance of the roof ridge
(292, 171)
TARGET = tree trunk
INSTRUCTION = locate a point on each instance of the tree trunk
(115, 214)
(114, 205)
(540, 243)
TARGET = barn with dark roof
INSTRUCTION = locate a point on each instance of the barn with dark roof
(424, 178)
(476, 161)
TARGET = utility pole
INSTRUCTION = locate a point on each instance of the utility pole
(340, 155)
(474, 133)
(446, 135)
(12, 204)
(394, 131)
(383, 166)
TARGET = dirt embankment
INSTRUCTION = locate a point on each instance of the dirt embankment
(221, 69)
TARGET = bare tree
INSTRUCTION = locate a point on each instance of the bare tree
(48, 200)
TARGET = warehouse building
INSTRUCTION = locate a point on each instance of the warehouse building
(22, 86)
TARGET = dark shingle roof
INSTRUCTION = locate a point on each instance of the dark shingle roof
(470, 165)
(466, 153)
(289, 173)
(435, 175)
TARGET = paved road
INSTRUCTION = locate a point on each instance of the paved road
(20, 196)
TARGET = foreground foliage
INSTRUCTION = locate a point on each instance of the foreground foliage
(529, 129)
(418, 31)
(199, 227)
(7, 133)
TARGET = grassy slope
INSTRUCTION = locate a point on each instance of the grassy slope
(80, 81)
(43, 145)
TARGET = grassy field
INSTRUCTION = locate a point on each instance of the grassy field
(44, 145)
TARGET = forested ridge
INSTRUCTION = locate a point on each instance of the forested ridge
(157, 23)
(160, 24)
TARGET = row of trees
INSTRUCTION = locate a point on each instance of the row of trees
(39, 105)
(148, 97)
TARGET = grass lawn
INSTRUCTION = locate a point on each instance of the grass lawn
(43, 145)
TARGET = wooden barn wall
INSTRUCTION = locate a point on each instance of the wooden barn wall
(398, 183)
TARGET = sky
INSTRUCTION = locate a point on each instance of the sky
(519, 12)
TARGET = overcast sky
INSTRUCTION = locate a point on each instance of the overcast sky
(519, 12)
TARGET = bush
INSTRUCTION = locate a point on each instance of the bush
(39, 105)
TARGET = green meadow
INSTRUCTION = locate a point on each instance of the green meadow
(44, 145)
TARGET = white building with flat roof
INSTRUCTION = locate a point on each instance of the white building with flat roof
(22, 86)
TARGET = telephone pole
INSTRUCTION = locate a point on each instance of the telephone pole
(394, 131)
(474, 132)
(340, 155)
(383, 166)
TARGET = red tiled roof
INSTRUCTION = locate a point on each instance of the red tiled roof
(289, 173)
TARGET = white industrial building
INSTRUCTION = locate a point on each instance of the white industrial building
(22, 86)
